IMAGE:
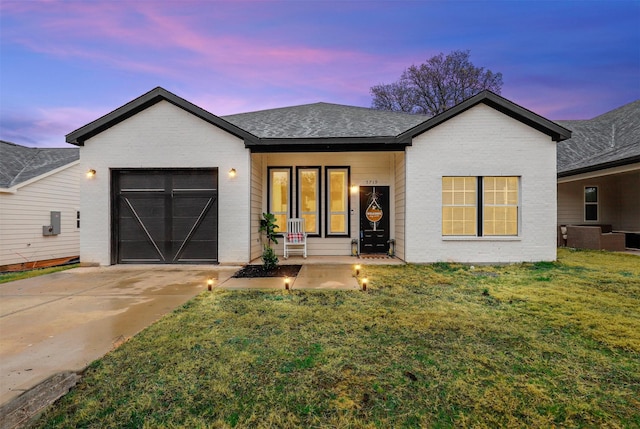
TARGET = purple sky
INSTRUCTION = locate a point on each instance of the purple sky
(66, 63)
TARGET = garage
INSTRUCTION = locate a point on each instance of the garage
(165, 216)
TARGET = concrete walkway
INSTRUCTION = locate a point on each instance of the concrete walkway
(325, 276)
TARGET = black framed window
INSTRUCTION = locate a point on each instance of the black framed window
(279, 197)
(308, 198)
(337, 196)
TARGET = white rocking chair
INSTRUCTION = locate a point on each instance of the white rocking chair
(295, 238)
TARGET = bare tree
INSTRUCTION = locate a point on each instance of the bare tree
(435, 86)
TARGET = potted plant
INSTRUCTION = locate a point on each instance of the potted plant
(268, 226)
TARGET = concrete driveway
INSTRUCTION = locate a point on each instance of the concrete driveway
(66, 320)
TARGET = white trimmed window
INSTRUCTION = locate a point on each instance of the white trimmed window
(459, 206)
(591, 203)
(500, 215)
(497, 196)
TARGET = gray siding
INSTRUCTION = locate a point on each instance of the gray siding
(400, 202)
(257, 186)
(618, 205)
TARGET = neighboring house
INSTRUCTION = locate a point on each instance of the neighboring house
(177, 184)
(599, 172)
(39, 203)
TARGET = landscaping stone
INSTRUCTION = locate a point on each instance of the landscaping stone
(18, 412)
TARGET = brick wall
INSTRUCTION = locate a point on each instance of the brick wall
(165, 136)
(481, 142)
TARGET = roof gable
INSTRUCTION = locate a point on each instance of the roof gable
(79, 136)
(19, 164)
(555, 131)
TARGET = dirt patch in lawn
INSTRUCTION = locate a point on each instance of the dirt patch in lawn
(250, 271)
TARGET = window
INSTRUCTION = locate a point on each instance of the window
(279, 195)
(498, 198)
(309, 198)
(500, 215)
(591, 203)
(337, 200)
(459, 206)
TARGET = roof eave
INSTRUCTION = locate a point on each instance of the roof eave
(602, 166)
(79, 136)
(327, 144)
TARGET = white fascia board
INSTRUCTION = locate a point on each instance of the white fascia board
(14, 189)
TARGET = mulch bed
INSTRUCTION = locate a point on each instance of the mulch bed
(250, 271)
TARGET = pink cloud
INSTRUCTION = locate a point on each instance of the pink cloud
(156, 39)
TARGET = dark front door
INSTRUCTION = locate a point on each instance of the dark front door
(374, 219)
(165, 216)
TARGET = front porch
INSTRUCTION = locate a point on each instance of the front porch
(343, 197)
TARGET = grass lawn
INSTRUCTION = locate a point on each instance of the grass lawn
(443, 345)
(18, 275)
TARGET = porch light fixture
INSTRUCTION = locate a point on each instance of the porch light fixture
(354, 247)
(209, 284)
(91, 173)
(364, 284)
(354, 189)
(287, 280)
(232, 173)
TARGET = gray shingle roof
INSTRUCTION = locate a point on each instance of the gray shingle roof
(610, 139)
(322, 127)
(324, 120)
(19, 163)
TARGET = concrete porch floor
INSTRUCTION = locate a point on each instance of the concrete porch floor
(335, 260)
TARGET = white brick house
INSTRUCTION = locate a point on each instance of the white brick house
(476, 183)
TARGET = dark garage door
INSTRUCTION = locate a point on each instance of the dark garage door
(165, 216)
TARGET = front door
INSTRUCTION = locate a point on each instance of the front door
(374, 219)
